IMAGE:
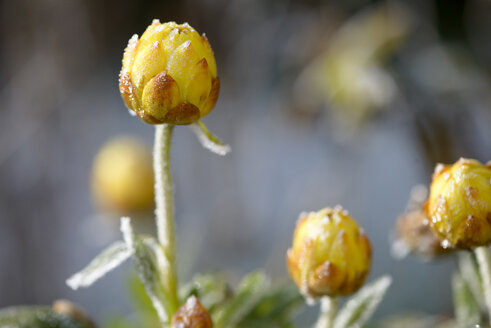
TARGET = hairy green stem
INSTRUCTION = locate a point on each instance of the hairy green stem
(164, 210)
(484, 260)
(328, 310)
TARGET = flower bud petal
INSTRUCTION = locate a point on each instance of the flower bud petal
(459, 206)
(160, 95)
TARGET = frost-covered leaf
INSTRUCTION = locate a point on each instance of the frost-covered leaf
(145, 258)
(37, 317)
(275, 309)
(250, 291)
(469, 272)
(210, 289)
(467, 309)
(361, 306)
(208, 140)
(109, 259)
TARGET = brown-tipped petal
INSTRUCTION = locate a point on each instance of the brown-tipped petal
(210, 58)
(192, 315)
(212, 98)
(185, 113)
(149, 119)
(199, 86)
(128, 91)
(325, 280)
(160, 95)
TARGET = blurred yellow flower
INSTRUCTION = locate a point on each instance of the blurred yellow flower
(192, 314)
(349, 75)
(122, 176)
(330, 256)
(459, 206)
(169, 75)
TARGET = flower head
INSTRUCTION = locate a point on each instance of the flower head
(330, 255)
(192, 314)
(122, 176)
(459, 206)
(169, 75)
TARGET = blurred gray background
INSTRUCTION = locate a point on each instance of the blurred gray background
(292, 150)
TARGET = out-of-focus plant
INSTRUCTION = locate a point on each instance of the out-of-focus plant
(63, 314)
(349, 77)
(412, 231)
(331, 257)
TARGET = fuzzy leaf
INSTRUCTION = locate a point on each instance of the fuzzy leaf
(109, 259)
(36, 317)
(275, 309)
(469, 272)
(208, 140)
(211, 290)
(467, 309)
(360, 308)
(250, 291)
(145, 258)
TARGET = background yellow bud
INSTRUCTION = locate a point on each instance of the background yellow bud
(192, 314)
(122, 176)
(169, 75)
(459, 206)
(330, 255)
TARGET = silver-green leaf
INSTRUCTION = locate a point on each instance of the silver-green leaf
(147, 268)
(250, 291)
(467, 309)
(360, 308)
(208, 140)
(109, 259)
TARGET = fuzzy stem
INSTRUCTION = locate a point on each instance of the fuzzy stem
(164, 211)
(484, 262)
(328, 310)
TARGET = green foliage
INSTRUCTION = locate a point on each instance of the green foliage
(358, 310)
(36, 317)
(467, 309)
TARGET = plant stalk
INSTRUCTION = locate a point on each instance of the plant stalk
(484, 260)
(164, 210)
(328, 310)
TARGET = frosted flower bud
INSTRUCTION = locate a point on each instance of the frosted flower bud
(169, 75)
(192, 314)
(330, 256)
(122, 176)
(459, 206)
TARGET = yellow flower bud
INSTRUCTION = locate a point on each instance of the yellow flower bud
(192, 314)
(169, 75)
(330, 256)
(122, 176)
(459, 206)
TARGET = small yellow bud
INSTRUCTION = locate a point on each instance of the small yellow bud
(459, 206)
(192, 314)
(169, 75)
(122, 176)
(330, 256)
